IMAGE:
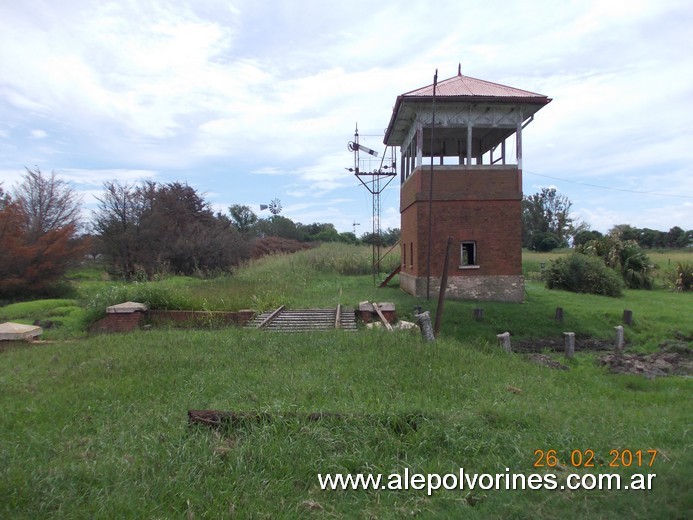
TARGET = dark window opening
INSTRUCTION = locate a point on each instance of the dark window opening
(468, 254)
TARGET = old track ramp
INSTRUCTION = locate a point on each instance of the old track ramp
(305, 320)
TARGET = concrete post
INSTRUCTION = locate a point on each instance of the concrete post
(504, 341)
(424, 322)
(619, 340)
(569, 344)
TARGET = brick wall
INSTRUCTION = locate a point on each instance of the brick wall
(480, 204)
(126, 322)
(119, 322)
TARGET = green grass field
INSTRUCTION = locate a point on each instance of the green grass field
(96, 426)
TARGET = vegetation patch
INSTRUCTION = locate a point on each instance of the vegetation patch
(582, 343)
(582, 274)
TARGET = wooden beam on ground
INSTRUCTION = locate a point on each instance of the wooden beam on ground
(338, 317)
(382, 317)
(269, 318)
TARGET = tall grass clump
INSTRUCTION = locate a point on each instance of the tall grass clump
(150, 293)
(681, 277)
(346, 259)
(583, 274)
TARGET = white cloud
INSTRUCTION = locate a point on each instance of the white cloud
(260, 98)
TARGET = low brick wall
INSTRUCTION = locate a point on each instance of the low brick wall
(129, 321)
(119, 322)
(367, 314)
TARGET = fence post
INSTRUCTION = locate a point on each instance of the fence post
(424, 321)
(504, 341)
(619, 340)
(627, 317)
(569, 344)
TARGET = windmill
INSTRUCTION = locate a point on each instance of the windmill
(275, 206)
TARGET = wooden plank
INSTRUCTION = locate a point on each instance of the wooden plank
(382, 317)
(338, 317)
(391, 275)
(443, 288)
(269, 318)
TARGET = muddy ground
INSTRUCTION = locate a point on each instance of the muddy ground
(674, 357)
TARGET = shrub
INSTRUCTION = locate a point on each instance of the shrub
(583, 274)
(682, 277)
(626, 257)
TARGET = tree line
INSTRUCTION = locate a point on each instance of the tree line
(145, 229)
(141, 230)
(547, 225)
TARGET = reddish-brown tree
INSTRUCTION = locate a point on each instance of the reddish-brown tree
(38, 235)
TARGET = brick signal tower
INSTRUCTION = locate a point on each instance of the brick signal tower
(461, 177)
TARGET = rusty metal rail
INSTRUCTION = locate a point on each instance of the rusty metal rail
(305, 320)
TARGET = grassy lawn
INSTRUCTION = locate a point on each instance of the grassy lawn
(96, 426)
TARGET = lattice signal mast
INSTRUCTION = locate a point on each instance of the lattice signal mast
(375, 180)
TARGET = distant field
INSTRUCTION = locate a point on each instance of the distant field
(96, 426)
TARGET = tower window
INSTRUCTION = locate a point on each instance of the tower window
(468, 254)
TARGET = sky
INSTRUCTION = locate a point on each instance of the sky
(251, 101)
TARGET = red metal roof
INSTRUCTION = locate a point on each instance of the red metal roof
(459, 89)
(465, 86)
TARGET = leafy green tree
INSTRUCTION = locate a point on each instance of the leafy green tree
(546, 220)
(280, 226)
(348, 238)
(242, 218)
(651, 238)
(582, 237)
(387, 238)
(327, 235)
(625, 232)
(676, 238)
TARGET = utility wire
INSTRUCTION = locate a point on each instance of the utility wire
(609, 187)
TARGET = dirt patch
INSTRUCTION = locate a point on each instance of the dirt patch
(673, 359)
(543, 359)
